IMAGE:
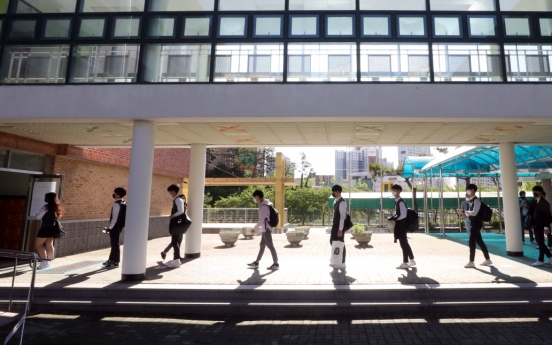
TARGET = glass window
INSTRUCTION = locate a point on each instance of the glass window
(161, 27)
(525, 62)
(106, 63)
(447, 26)
(304, 26)
(268, 26)
(57, 28)
(374, 26)
(127, 28)
(26, 161)
(113, 6)
(392, 5)
(34, 64)
(467, 62)
(322, 62)
(92, 28)
(326, 5)
(517, 27)
(412, 26)
(181, 6)
(23, 29)
(526, 5)
(45, 6)
(252, 5)
(462, 5)
(340, 26)
(4, 6)
(197, 27)
(482, 26)
(233, 26)
(177, 63)
(249, 62)
(391, 62)
(545, 26)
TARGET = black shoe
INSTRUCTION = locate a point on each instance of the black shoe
(274, 267)
(254, 264)
(106, 263)
(163, 255)
(112, 265)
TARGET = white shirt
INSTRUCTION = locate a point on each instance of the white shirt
(114, 214)
(264, 215)
(402, 208)
(342, 212)
(476, 206)
(179, 206)
(42, 212)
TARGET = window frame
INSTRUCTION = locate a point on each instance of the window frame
(529, 23)
(245, 29)
(150, 18)
(398, 20)
(492, 16)
(86, 38)
(45, 22)
(24, 39)
(291, 16)
(460, 20)
(389, 25)
(282, 23)
(114, 26)
(182, 27)
(326, 25)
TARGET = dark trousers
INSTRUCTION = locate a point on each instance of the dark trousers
(476, 238)
(180, 237)
(530, 229)
(402, 236)
(115, 254)
(266, 241)
(543, 249)
(334, 237)
(175, 244)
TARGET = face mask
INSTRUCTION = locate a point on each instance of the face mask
(333, 194)
(468, 199)
(536, 195)
(114, 197)
(254, 200)
(394, 193)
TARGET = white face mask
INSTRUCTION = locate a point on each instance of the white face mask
(255, 200)
(468, 199)
(394, 193)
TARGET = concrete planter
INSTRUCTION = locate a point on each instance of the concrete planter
(294, 238)
(229, 238)
(363, 238)
(246, 232)
(305, 230)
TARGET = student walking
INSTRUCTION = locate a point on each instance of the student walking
(539, 210)
(465, 206)
(401, 228)
(476, 226)
(116, 226)
(49, 230)
(523, 212)
(266, 231)
(179, 207)
(338, 223)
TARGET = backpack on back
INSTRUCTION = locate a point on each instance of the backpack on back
(485, 212)
(274, 218)
(121, 218)
(412, 219)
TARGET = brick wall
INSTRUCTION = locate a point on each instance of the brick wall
(88, 187)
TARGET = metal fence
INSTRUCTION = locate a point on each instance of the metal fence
(234, 215)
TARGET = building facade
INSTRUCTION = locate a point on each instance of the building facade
(412, 151)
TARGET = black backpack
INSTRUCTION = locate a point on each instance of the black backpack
(274, 218)
(412, 219)
(121, 218)
(485, 212)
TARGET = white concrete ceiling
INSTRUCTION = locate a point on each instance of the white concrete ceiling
(347, 132)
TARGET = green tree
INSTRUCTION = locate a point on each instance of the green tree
(307, 172)
(244, 198)
(320, 201)
(301, 199)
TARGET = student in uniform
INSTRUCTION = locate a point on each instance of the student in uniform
(476, 226)
(180, 202)
(49, 214)
(539, 210)
(266, 231)
(401, 228)
(338, 224)
(116, 226)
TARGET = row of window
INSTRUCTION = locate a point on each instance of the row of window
(272, 26)
(70, 6)
(305, 62)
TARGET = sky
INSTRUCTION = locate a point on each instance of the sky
(323, 158)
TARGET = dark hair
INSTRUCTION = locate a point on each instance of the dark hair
(53, 204)
(522, 193)
(396, 187)
(120, 191)
(173, 188)
(337, 188)
(543, 193)
(472, 186)
(538, 189)
(258, 193)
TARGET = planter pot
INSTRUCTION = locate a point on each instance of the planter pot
(246, 232)
(364, 238)
(229, 240)
(305, 229)
(294, 239)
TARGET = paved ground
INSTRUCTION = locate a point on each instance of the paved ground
(440, 261)
(70, 329)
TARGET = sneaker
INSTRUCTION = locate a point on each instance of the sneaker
(469, 265)
(48, 264)
(342, 266)
(538, 264)
(254, 264)
(163, 255)
(487, 263)
(403, 266)
(105, 263)
(274, 267)
(41, 266)
(549, 261)
(411, 263)
(173, 263)
(112, 265)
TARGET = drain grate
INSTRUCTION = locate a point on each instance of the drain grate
(71, 267)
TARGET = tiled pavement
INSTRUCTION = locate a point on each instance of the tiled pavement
(94, 328)
(440, 261)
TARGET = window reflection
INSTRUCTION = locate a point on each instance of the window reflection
(34, 64)
(249, 63)
(182, 5)
(467, 62)
(462, 5)
(326, 5)
(252, 5)
(526, 62)
(109, 63)
(526, 5)
(177, 63)
(394, 62)
(113, 6)
(44, 6)
(392, 5)
(322, 62)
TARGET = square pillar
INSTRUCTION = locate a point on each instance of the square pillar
(139, 197)
(512, 219)
(196, 197)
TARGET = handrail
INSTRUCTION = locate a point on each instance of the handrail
(17, 255)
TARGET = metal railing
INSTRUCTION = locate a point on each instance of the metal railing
(20, 257)
(233, 215)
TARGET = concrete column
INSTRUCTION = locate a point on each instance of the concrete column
(512, 220)
(139, 193)
(279, 188)
(196, 195)
(547, 186)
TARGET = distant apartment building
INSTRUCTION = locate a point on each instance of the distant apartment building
(412, 151)
(355, 161)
